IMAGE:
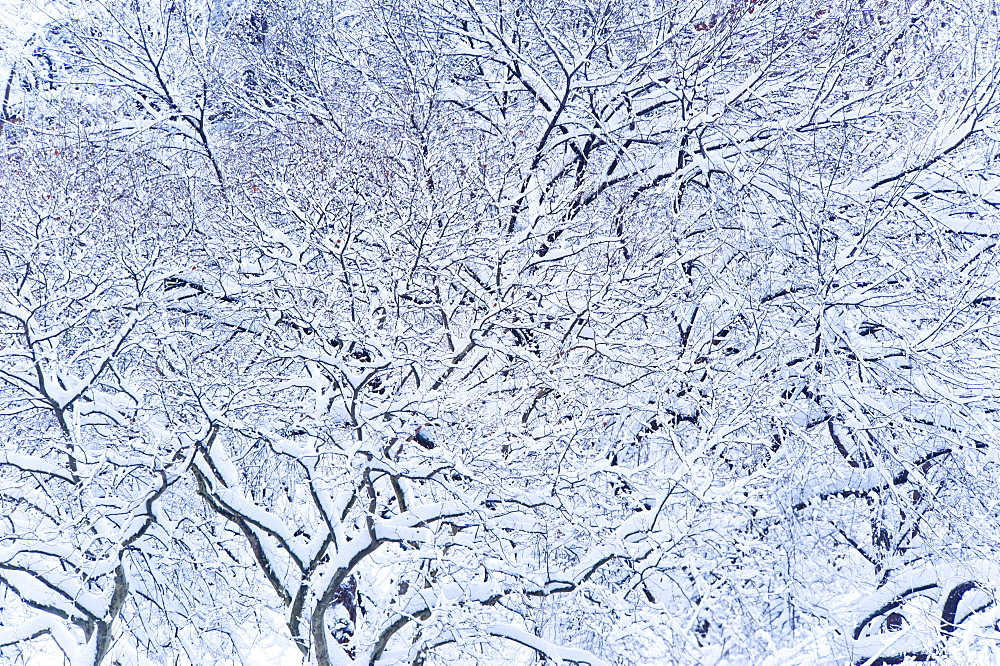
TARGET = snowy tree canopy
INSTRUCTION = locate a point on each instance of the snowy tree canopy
(500, 331)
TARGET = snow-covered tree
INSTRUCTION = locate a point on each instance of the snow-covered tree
(463, 331)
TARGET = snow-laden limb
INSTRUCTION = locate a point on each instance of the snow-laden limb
(45, 626)
(894, 622)
(556, 653)
(30, 463)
